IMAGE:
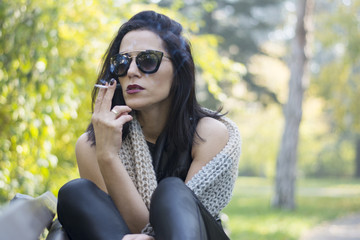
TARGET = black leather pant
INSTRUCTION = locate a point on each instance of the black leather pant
(86, 212)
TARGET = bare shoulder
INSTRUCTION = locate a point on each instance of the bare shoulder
(87, 161)
(214, 136)
(83, 145)
(85, 153)
(212, 128)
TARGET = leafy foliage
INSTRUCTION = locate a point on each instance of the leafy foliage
(337, 80)
(241, 27)
(48, 64)
(50, 52)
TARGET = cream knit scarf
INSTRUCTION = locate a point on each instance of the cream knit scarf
(213, 184)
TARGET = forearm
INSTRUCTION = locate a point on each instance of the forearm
(123, 192)
(108, 122)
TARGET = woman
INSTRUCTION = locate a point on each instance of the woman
(153, 163)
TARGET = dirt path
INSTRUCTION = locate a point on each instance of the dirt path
(346, 228)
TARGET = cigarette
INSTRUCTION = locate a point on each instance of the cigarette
(100, 86)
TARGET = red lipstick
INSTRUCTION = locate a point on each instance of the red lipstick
(134, 88)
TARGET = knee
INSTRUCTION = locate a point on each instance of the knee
(74, 189)
(170, 183)
(169, 186)
(73, 193)
(172, 203)
(169, 192)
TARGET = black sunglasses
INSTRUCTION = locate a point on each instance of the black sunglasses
(148, 61)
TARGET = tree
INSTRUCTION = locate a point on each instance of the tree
(286, 162)
(49, 54)
(32, 94)
(240, 27)
(46, 68)
(337, 81)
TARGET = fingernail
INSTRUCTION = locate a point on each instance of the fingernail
(112, 81)
(102, 81)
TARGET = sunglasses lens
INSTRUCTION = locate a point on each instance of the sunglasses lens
(148, 62)
(120, 64)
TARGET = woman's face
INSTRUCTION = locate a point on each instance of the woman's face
(146, 91)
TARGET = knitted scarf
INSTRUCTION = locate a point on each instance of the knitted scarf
(213, 184)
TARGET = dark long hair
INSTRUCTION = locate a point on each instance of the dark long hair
(185, 111)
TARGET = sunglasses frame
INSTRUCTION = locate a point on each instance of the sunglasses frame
(159, 55)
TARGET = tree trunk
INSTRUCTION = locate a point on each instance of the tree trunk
(286, 162)
(357, 156)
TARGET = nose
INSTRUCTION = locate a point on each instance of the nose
(133, 69)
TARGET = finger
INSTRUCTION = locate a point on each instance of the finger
(120, 110)
(122, 119)
(99, 98)
(115, 112)
(106, 102)
(127, 237)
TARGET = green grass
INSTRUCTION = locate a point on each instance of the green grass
(250, 216)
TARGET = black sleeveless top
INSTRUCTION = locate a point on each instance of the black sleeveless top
(168, 161)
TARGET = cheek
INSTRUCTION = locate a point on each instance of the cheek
(166, 82)
(167, 77)
(121, 82)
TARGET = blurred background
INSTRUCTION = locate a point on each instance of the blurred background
(293, 90)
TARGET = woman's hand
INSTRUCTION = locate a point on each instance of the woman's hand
(108, 123)
(137, 237)
(108, 127)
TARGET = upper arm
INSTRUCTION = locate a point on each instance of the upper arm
(214, 136)
(87, 161)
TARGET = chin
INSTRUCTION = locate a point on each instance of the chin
(143, 104)
(134, 105)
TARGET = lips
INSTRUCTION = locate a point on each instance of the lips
(134, 88)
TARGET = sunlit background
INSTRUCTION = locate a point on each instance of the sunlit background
(50, 53)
